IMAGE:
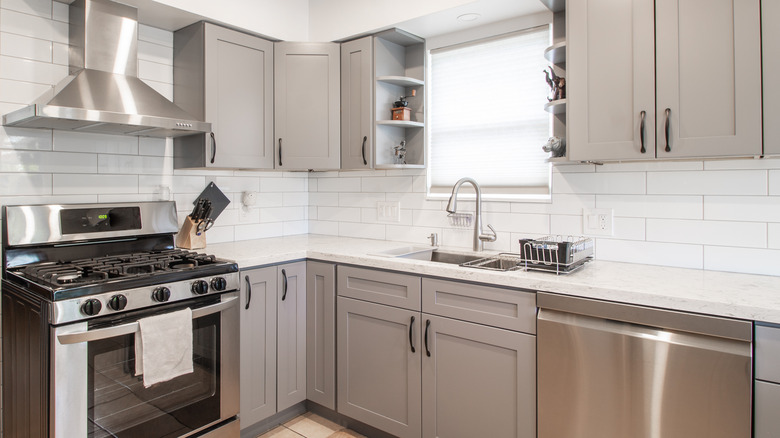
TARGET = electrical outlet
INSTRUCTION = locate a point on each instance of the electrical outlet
(388, 211)
(597, 221)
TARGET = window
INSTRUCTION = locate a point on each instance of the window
(487, 118)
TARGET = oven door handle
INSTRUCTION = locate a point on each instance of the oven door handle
(129, 328)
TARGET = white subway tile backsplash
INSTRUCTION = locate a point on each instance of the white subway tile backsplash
(628, 228)
(430, 218)
(774, 236)
(33, 26)
(135, 164)
(20, 184)
(154, 35)
(625, 183)
(293, 184)
(717, 182)
(566, 225)
(416, 235)
(744, 260)
(259, 231)
(20, 69)
(523, 223)
(651, 253)
(59, 54)
(324, 227)
(366, 200)
(20, 46)
(742, 208)
(158, 147)
(46, 162)
(154, 71)
(324, 199)
(399, 184)
(23, 93)
(339, 214)
(46, 199)
(40, 8)
(23, 138)
(266, 200)
(366, 231)
(60, 11)
(166, 89)
(295, 199)
(743, 164)
(774, 182)
(237, 184)
(292, 228)
(743, 234)
(156, 53)
(72, 141)
(349, 184)
(127, 197)
(220, 234)
(71, 184)
(656, 206)
(282, 214)
(415, 201)
(645, 166)
(420, 184)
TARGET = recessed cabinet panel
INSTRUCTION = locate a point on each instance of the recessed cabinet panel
(610, 80)
(291, 345)
(357, 80)
(709, 78)
(321, 333)
(306, 109)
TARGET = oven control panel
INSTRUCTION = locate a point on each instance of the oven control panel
(93, 306)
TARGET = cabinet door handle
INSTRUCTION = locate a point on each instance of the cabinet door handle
(666, 130)
(280, 151)
(248, 292)
(427, 326)
(284, 284)
(363, 150)
(642, 131)
(411, 341)
(213, 147)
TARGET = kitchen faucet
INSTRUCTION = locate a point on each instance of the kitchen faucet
(452, 205)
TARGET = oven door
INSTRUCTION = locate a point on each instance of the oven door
(94, 392)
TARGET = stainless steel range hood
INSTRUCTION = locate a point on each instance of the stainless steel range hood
(103, 93)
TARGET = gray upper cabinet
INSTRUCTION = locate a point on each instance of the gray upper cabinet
(291, 334)
(306, 106)
(357, 104)
(258, 344)
(770, 12)
(321, 333)
(478, 381)
(379, 366)
(663, 79)
(226, 78)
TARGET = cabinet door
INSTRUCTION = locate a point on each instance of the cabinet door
(379, 368)
(610, 80)
(258, 345)
(477, 381)
(291, 337)
(709, 78)
(770, 13)
(307, 105)
(321, 333)
(239, 99)
(357, 97)
(767, 399)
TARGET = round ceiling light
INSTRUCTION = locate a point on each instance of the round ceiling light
(468, 17)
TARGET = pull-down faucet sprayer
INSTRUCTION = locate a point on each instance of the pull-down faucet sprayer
(452, 205)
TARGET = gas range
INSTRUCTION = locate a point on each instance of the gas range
(88, 265)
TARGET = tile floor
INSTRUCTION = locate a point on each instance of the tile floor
(309, 425)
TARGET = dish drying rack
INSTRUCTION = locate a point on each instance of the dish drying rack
(555, 254)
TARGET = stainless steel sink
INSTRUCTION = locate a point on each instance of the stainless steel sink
(452, 257)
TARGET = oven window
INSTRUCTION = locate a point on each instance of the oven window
(120, 406)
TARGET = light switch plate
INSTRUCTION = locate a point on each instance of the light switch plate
(598, 221)
(388, 211)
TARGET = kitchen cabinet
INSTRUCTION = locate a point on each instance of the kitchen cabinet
(556, 55)
(766, 422)
(663, 79)
(357, 104)
(224, 77)
(273, 340)
(306, 106)
(770, 43)
(321, 333)
(450, 361)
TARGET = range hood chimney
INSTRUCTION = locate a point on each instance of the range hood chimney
(103, 93)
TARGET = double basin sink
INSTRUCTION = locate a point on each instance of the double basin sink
(494, 262)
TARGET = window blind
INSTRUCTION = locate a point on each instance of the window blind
(486, 116)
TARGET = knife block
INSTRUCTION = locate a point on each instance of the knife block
(188, 236)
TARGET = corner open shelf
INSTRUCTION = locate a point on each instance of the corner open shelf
(556, 106)
(402, 81)
(400, 123)
(556, 53)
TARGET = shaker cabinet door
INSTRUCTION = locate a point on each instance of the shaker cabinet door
(291, 337)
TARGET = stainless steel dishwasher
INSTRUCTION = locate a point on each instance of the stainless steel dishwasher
(608, 370)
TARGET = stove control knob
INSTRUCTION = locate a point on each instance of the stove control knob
(218, 283)
(91, 307)
(117, 302)
(200, 287)
(161, 294)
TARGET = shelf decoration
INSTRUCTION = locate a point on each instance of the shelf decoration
(557, 85)
(401, 110)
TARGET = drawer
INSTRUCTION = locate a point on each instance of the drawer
(498, 307)
(768, 353)
(382, 287)
(766, 420)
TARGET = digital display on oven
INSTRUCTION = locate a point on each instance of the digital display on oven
(95, 220)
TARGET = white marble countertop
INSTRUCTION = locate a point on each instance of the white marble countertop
(744, 296)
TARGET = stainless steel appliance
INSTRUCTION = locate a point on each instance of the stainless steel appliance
(76, 280)
(103, 92)
(608, 370)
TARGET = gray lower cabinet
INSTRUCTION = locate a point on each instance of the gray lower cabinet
(379, 366)
(306, 105)
(226, 78)
(766, 421)
(321, 333)
(273, 340)
(477, 381)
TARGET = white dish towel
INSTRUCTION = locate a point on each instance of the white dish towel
(163, 346)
